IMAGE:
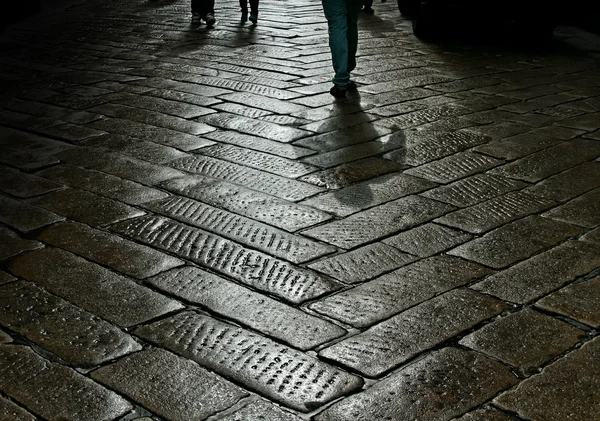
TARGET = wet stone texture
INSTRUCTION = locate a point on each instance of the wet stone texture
(287, 376)
(570, 183)
(21, 184)
(485, 415)
(160, 381)
(9, 411)
(556, 393)
(12, 244)
(25, 217)
(440, 386)
(526, 339)
(54, 391)
(260, 411)
(583, 210)
(428, 239)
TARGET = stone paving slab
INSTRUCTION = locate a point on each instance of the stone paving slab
(555, 393)
(11, 244)
(25, 217)
(428, 239)
(107, 294)
(55, 391)
(583, 210)
(260, 144)
(485, 415)
(9, 411)
(5, 277)
(160, 381)
(442, 385)
(76, 336)
(108, 249)
(261, 411)
(287, 376)
(21, 184)
(454, 167)
(570, 183)
(264, 314)
(518, 146)
(137, 148)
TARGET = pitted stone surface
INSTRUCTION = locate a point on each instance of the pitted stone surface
(570, 183)
(495, 212)
(27, 151)
(273, 184)
(526, 339)
(541, 274)
(543, 164)
(583, 210)
(76, 336)
(160, 381)
(260, 411)
(25, 217)
(83, 206)
(251, 267)
(344, 137)
(592, 236)
(518, 146)
(579, 301)
(556, 393)
(165, 106)
(351, 153)
(54, 391)
(108, 249)
(246, 231)
(378, 222)
(454, 167)
(442, 385)
(396, 340)
(9, 411)
(21, 184)
(259, 143)
(247, 307)
(369, 193)
(472, 190)
(287, 376)
(394, 292)
(260, 101)
(5, 337)
(363, 263)
(485, 415)
(421, 117)
(12, 244)
(103, 184)
(136, 148)
(352, 172)
(428, 239)
(588, 122)
(250, 203)
(515, 241)
(92, 287)
(5, 278)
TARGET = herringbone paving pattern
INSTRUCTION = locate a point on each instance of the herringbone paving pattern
(192, 228)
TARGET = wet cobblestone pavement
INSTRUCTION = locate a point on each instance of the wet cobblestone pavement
(192, 228)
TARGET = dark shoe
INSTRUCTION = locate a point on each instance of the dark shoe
(351, 86)
(196, 18)
(369, 10)
(244, 16)
(254, 18)
(210, 19)
(338, 92)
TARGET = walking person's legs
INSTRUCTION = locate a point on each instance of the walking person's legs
(254, 11)
(244, 9)
(207, 11)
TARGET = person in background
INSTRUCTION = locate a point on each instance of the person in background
(253, 10)
(203, 10)
(342, 23)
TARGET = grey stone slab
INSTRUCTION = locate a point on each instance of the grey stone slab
(495, 212)
(9, 411)
(259, 144)
(27, 151)
(368, 193)
(454, 167)
(247, 202)
(440, 386)
(542, 274)
(557, 132)
(103, 184)
(161, 105)
(343, 137)
(106, 294)
(247, 307)
(75, 335)
(352, 172)
(526, 339)
(570, 183)
(22, 185)
(12, 244)
(71, 133)
(5, 337)
(86, 207)
(379, 221)
(588, 122)
(515, 241)
(25, 217)
(137, 148)
(518, 146)
(579, 301)
(254, 268)
(583, 210)
(5, 277)
(485, 414)
(160, 381)
(422, 117)
(592, 236)
(54, 391)
(363, 263)
(501, 130)
(108, 249)
(278, 372)
(568, 389)
(398, 339)
(266, 182)
(265, 103)
(550, 161)
(428, 239)
(261, 411)
(246, 231)
(399, 290)
(475, 189)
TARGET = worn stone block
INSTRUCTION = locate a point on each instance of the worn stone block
(351, 153)
(440, 386)
(276, 371)
(27, 151)
(556, 393)
(454, 167)
(583, 210)
(22, 185)
(485, 414)
(12, 244)
(25, 217)
(515, 147)
(428, 239)
(9, 411)
(53, 391)
(5, 277)
(259, 143)
(592, 236)
(261, 411)
(343, 137)
(570, 183)
(5, 337)
(136, 148)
